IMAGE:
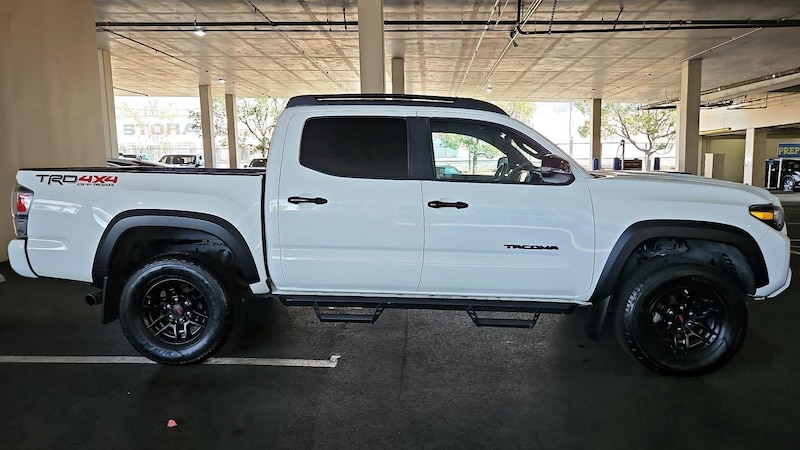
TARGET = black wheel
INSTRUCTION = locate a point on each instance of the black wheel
(175, 311)
(788, 184)
(681, 317)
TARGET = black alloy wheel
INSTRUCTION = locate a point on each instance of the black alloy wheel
(681, 317)
(175, 311)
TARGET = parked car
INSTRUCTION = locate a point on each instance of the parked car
(182, 160)
(258, 162)
(124, 162)
(350, 213)
(137, 156)
(447, 170)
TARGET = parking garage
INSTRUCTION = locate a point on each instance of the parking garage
(414, 378)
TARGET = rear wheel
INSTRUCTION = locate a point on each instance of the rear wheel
(175, 311)
(681, 317)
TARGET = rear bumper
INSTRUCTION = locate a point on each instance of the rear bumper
(19, 258)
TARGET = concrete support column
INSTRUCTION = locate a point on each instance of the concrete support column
(755, 153)
(109, 110)
(370, 46)
(594, 123)
(230, 114)
(398, 76)
(50, 102)
(206, 125)
(688, 126)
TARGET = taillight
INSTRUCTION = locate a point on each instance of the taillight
(23, 197)
(24, 202)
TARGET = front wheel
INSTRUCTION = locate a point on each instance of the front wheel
(788, 184)
(174, 311)
(681, 317)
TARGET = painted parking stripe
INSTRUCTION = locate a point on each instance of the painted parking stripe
(322, 363)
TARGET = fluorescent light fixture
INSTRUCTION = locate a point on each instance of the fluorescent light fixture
(715, 131)
(199, 32)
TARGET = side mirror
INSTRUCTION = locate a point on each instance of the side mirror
(556, 170)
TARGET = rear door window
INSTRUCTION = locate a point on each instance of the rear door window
(356, 147)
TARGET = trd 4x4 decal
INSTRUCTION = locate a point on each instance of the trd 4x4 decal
(79, 180)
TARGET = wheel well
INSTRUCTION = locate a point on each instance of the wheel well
(726, 257)
(139, 245)
(730, 259)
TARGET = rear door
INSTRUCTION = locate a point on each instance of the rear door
(503, 217)
(349, 216)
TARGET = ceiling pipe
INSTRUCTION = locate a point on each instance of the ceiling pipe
(619, 24)
(720, 94)
(478, 46)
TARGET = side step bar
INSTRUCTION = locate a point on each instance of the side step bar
(472, 307)
(344, 317)
(500, 322)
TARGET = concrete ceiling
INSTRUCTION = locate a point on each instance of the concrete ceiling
(155, 52)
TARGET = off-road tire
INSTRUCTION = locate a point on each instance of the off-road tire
(175, 311)
(680, 317)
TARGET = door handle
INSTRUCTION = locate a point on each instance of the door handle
(437, 204)
(316, 200)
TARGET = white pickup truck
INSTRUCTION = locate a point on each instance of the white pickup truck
(361, 205)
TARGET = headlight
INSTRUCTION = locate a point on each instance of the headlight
(770, 214)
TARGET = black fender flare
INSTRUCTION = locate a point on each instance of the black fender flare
(636, 234)
(187, 220)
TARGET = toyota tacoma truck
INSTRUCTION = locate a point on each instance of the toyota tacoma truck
(352, 217)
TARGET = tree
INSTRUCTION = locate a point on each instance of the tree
(259, 116)
(522, 111)
(256, 116)
(218, 120)
(474, 146)
(649, 131)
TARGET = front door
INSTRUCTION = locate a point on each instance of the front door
(503, 217)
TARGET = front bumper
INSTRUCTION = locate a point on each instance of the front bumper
(19, 258)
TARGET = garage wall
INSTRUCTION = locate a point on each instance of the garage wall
(733, 149)
(50, 110)
(782, 111)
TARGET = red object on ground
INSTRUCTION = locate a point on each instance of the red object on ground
(171, 423)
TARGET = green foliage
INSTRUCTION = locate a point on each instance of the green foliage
(257, 115)
(218, 119)
(522, 111)
(650, 131)
(474, 146)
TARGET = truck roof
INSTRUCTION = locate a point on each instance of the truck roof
(393, 99)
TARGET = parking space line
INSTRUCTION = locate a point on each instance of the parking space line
(281, 362)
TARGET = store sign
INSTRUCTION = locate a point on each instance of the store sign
(789, 150)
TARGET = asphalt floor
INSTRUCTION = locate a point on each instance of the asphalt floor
(412, 380)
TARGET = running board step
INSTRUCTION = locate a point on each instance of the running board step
(500, 322)
(348, 317)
